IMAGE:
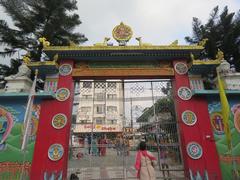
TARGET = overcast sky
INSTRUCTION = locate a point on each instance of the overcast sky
(156, 21)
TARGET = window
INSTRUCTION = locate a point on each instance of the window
(86, 96)
(100, 85)
(99, 109)
(86, 109)
(100, 96)
(112, 85)
(112, 121)
(87, 84)
(112, 108)
(83, 122)
(112, 96)
(99, 120)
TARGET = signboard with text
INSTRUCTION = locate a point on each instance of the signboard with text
(87, 128)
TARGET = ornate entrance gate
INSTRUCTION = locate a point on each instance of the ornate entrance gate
(102, 120)
(111, 117)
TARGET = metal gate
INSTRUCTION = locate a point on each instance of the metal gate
(111, 117)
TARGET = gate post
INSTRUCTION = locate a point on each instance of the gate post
(52, 141)
(203, 158)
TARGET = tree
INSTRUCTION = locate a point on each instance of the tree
(222, 32)
(53, 19)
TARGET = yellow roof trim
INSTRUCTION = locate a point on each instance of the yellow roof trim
(208, 62)
(150, 47)
(39, 63)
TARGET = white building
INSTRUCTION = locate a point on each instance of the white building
(98, 104)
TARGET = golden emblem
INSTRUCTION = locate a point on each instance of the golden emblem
(122, 32)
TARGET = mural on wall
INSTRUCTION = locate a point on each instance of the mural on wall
(11, 132)
(229, 160)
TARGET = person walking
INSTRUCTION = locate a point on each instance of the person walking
(117, 146)
(94, 147)
(99, 145)
(103, 148)
(86, 146)
(163, 161)
(145, 162)
(89, 144)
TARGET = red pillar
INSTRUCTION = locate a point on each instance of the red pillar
(48, 135)
(200, 132)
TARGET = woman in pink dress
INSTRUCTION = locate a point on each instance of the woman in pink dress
(144, 163)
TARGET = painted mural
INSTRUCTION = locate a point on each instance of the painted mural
(229, 160)
(11, 136)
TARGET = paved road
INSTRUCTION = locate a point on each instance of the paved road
(110, 166)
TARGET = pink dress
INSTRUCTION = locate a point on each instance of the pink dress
(144, 165)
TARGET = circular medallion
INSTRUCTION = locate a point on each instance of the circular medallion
(62, 94)
(184, 93)
(189, 118)
(122, 32)
(55, 152)
(236, 116)
(181, 68)
(217, 123)
(59, 121)
(237, 120)
(194, 150)
(65, 69)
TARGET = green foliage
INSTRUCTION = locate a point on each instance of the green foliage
(165, 104)
(222, 31)
(53, 19)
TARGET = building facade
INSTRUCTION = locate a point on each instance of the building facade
(98, 104)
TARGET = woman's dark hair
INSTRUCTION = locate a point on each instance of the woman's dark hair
(142, 146)
(74, 177)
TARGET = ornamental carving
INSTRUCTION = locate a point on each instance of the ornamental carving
(62, 94)
(55, 152)
(122, 32)
(194, 150)
(189, 118)
(65, 69)
(59, 121)
(181, 68)
(184, 93)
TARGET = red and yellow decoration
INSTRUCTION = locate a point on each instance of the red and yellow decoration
(62, 94)
(59, 121)
(122, 32)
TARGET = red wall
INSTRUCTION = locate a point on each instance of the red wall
(47, 135)
(198, 132)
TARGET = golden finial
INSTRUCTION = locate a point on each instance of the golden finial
(44, 41)
(203, 42)
(220, 55)
(122, 32)
(174, 43)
